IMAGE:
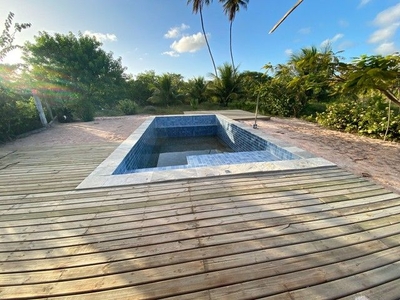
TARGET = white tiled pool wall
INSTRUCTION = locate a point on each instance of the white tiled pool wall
(239, 139)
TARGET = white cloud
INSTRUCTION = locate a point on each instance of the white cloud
(288, 52)
(171, 53)
(364, 2)
(101, 37)
(190, 43)
(345, 45)
(384, 34)
(386, 48)
(176, 32)
(388, 22)
(332, 40)
(388, 16)
(306, 30)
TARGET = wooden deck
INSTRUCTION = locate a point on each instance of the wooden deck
(310, 234)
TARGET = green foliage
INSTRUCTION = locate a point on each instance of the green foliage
(197, 91)
(166, 89)
(7, 37)
(227, 87)
(128, 107)
(368, 117)
(306, 78)
(85, 110)
(17, 116)
(243, 105)
(64, 115)
(310, 110)
(140, 88)
(149, 109)
(373, 73)
(75, 72)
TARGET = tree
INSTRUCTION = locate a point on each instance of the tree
(227, 87)
(165, 90)
(77, 68)
(7, 37)
(140, 88)
(373, 73)
(314, 72)
(197, 91)
(10, 117)
(231, 7)
(198, 8)
(307, 77)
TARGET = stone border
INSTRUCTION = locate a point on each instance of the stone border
(103, 176)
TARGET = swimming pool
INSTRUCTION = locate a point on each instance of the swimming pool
(137, 159)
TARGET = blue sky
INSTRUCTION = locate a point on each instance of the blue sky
(164, 35)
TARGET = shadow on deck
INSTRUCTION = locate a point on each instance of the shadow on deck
(304, 234)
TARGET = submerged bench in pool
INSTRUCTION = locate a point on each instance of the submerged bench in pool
(189, 146)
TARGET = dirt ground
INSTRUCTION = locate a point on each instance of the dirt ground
(374, 159)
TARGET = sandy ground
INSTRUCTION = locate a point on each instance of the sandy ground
(374, 159)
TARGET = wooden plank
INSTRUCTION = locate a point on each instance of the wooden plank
(186, 238)
(113, 277)
(370, 284)
(213, 264)
(248, 282)
(126, 224)
(381, 290)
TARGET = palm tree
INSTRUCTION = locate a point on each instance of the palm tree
(197, 90)
(165, 90)
(198, 8)
(314, 70)
(285, 16)
(228, 86)
(231, 7)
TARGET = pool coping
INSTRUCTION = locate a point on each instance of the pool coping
(103, 176)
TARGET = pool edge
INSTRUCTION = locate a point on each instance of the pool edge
(103, 176)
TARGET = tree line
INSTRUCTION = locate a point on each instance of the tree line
(75, 78)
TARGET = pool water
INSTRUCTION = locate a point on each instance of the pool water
(174, 151)
(182, 142)
(168, 148)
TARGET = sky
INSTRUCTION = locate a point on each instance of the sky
(165, 36)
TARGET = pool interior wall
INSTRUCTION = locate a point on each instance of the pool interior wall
(246, 147)
(255, 151)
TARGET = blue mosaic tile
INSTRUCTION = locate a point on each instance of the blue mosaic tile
(247, 146)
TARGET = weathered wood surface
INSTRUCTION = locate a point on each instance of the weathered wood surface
(307, 234)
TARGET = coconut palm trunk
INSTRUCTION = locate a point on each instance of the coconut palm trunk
(205, 37)
(197, 7)
(230, 44)
(231, 7)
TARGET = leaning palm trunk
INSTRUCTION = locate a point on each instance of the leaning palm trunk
(208, 45)
(230, 44)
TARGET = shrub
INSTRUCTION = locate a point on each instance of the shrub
(85, 110)
(149, 109)
(310, 110)
(64, 115)
(17, 117)
(368, 117)
(244, 105)
(127, 106)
